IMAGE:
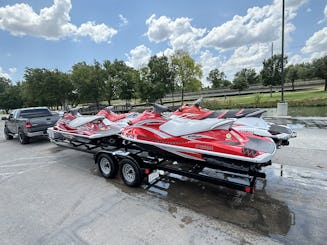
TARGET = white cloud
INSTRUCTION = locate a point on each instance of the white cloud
(317, 43)
(179, 32)
(12, 70)
(138, 57)
(250, 56)
(167, 52)
(325, 17)
(297, 59)
(123, 20)
(259, 25)
(208, 62)
(309, 10)
(98, 33)
(4, 74)
(52, 23)
(248, 37)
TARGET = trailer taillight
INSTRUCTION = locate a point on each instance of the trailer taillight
(28, 125)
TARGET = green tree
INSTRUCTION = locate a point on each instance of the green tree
(46, 87)
(320, 69)
(11, 98)
(305, 71)
(292, 74)
(89, 82)
(240, 81)
(156, 79)
(110, 84)
(249, 75)
(120, 80)
(216, 78)
(271, 71)
(188, 73)
(37, 87)
(4, 83)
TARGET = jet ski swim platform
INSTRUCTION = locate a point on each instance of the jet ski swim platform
(137, 164)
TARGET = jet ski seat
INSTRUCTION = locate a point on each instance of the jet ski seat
(181, 126)
(79, 121)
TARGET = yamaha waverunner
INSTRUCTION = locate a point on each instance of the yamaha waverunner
(247, 120)
(194, 111)
(118, 119)
(85, 129)
(211, 142)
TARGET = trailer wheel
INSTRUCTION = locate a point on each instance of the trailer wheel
(131, 172)
(107, 165)
(23, 139)
(8, 136)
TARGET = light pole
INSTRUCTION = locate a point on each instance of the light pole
(282, 106)
(282, 71)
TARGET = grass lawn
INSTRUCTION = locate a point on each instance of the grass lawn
(312, 97)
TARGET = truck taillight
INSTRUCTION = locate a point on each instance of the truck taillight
(28, 125)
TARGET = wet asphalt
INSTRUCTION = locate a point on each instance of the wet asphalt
(54, 195)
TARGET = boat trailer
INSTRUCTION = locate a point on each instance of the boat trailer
(135, 164)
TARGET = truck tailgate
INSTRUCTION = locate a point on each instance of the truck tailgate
(42, 123)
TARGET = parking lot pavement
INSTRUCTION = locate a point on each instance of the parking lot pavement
(54, 195)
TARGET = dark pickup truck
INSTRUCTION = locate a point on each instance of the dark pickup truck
(28, 122)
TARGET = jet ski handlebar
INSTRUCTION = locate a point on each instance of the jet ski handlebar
(198, 102)
(158, 109)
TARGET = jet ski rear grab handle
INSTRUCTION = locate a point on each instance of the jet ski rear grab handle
(148, 165)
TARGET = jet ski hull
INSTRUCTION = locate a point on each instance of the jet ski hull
(218, 142)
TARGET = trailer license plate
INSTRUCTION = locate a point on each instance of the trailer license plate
(153, 176)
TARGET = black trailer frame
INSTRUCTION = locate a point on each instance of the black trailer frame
(138, 161)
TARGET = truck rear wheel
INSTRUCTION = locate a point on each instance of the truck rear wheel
(131, 172)
(23, 139)
(108, 166)
(8, 136)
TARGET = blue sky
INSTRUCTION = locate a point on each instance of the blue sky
(228, 35)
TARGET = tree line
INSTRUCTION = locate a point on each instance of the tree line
(107, 81)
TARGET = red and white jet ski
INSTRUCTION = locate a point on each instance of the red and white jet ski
(85, 129)
(194, 111)
(211, 141)
(112, 117)
(247, 120)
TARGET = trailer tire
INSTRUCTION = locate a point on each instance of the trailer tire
(8, 136)
(23, 139)
(131, 172)
(107, 165)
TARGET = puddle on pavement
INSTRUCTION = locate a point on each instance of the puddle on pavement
(258, 212)
(278, 208)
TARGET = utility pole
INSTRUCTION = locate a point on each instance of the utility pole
(282, 106)
(282, 72)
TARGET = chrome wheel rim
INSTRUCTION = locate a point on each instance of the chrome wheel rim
(129, 173)
(105, 166)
